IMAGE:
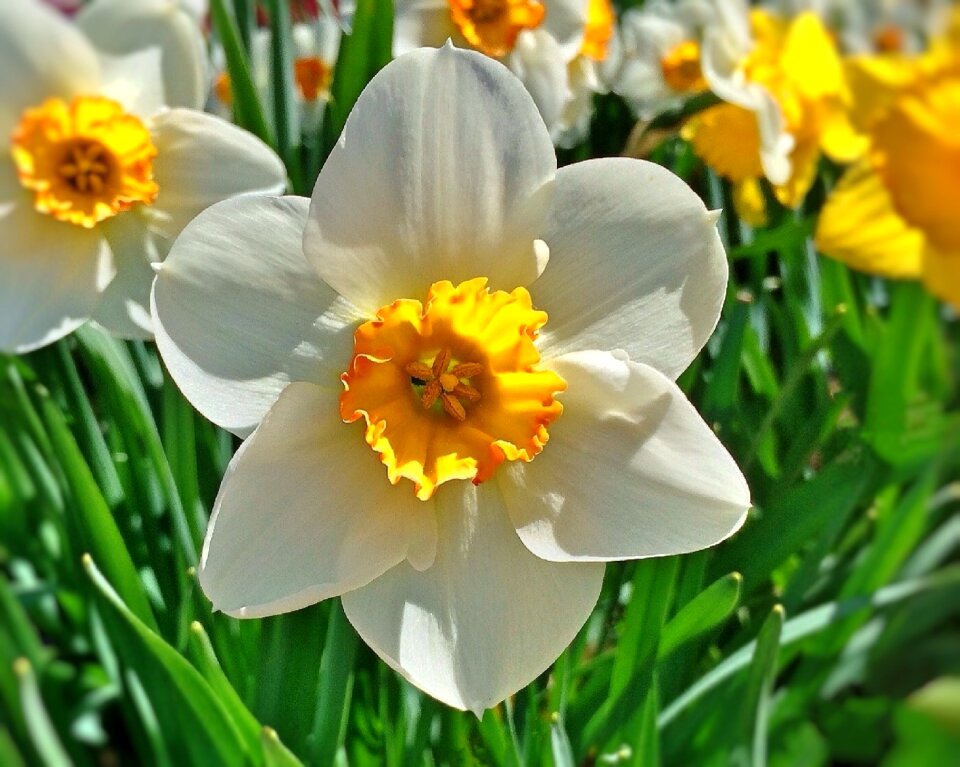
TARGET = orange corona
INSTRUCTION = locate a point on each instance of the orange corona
(85, 160)
(451, 388)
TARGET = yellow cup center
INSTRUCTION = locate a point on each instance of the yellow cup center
(451, 388)
(85, 160)
(681, 67)
(598, 29)
(492, 26)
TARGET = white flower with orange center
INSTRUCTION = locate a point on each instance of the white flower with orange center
(552, 46)
(658, 64)
(315, 46)
(103, 159)
(454, 371)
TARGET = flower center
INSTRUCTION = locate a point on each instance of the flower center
(492, 26)
(451, 388)
(598, 29)
(313, 77)
(681, 67)
(85, 161)
(889, 38)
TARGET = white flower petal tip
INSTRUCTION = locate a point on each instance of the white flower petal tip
(157, 267)
(636, 263)
(444, 171)
(486, 619)
(239, 267)
(714, 216)
(661, 483)
(289, 528)
(193, 149)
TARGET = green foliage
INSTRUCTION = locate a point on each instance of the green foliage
(827, 630)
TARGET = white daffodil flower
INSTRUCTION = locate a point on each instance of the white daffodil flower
(397, 352)
(552, 46)
(727, 44)
(315, 47)
(103, 159)
(658, 62)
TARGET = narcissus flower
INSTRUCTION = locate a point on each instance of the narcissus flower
(553, 46)
(787, 102)
(897, 212)
(658, 61)
(315, 46)
(454, 371)
(102, 162)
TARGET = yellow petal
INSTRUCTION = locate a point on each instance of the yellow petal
(803, 161)
(810, 59)
(727, 138)
(859, 226)
(839, 139)
(875, 82)
(749, 202)
(941, 274)
(920, 154)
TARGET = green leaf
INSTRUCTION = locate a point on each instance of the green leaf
(285, 115)
(760, 679)
(98, 530)
(806, 624)
(201, 654)
(336, 672)
(194, 721)
(247, 108)
(707, 610)
(116, 374)
(42, 732)
(276, 754)
(363, 53)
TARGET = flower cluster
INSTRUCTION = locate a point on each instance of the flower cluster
(453, 365)
(862, 85)
(104, 158)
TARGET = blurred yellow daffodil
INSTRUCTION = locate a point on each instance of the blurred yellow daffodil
(786, 100)
(896, 213)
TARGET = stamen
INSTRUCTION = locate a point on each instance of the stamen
(445, 385)
(440, 362)
(452, 407)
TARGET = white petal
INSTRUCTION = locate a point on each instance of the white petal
(539, 62)
(135, 80)
(51, 274)
(775, 143)
(565, 22)
(443, 172)
(635, 263)
(239, 313)
(486, 618)
(42, 55)
(305, 512)
(631, 470)
(124, 308)
(120, 27)
(422, 23)
(202, 159)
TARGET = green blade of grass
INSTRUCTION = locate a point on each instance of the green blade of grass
(192, 717)
(98, 530)
(247, 108)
